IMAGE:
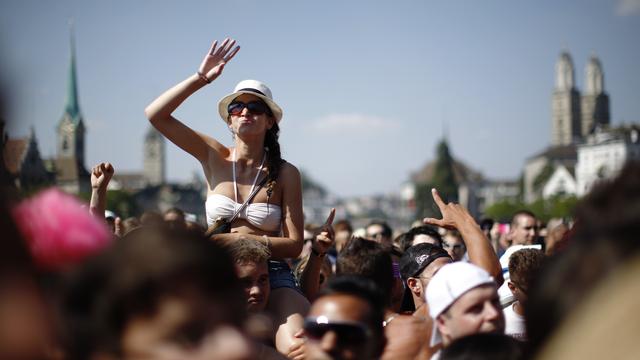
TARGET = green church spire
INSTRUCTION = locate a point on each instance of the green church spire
(72, 108)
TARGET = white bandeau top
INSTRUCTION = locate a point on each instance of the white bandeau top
(266, 217)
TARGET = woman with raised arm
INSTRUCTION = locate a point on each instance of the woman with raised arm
(274, 216)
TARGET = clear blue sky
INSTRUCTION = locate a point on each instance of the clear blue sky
(366, 87)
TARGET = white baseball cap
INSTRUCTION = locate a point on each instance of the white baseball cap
(447, 285)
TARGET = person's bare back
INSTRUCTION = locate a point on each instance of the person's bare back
(407, 338)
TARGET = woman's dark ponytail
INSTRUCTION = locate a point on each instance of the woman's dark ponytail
(274, 158)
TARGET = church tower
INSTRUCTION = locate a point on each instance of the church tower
(71, 130)
(71, 175)
(154, 157)
(565, 104)
(595, 102)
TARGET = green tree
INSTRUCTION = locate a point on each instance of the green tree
(520, 196)
(503, 210)
(564, 207)
(443, 179)
(122, 203)
(559, 206)
(425, 207)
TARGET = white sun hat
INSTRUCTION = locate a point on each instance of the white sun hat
(253, 87)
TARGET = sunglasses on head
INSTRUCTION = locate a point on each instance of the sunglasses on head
(255, 107)
(346, 332)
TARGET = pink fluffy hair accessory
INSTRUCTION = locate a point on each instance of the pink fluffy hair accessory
(59, 230)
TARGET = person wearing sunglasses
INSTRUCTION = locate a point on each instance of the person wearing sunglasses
(345, 321)
(274, 216)
(420, 234)
(454, 244)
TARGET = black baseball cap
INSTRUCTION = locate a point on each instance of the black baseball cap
(418, 257)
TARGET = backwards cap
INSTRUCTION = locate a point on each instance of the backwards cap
(448, 285)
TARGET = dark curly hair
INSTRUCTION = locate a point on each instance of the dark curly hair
(523, 267)
(274, 157)
(369, 259)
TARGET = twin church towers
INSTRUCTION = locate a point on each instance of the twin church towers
(574, 115)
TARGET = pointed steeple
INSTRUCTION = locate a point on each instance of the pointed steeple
(32, 134)
(71, 129)
(72, 108)
(445, 130)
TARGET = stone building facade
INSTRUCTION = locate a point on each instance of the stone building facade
(154, 167)
(574, 116)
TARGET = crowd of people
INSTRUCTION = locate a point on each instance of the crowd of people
(77, 282)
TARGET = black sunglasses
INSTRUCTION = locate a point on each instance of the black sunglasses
(254, 107)
(456, 246)
(346, 332)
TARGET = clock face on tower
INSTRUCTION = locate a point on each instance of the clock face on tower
(151, 152)
(68, 128)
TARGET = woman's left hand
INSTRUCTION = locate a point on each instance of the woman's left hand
(217, 57)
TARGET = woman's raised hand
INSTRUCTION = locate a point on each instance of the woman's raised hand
(217, 57)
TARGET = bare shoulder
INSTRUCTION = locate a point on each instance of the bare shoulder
(216, 163)
(216, 151)
(402, 323)
(288, 172)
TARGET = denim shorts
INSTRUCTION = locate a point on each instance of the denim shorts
(280, 276)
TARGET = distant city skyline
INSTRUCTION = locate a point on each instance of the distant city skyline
(367, 89)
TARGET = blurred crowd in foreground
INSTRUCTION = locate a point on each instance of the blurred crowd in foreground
(77, 285)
